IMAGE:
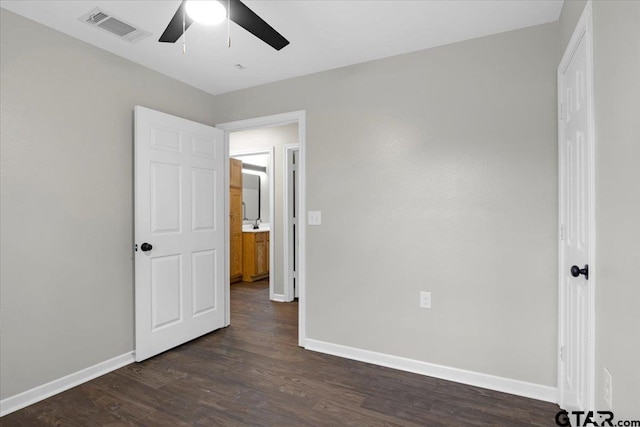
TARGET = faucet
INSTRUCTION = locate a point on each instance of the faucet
(256, 225)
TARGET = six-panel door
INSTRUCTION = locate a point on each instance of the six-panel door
(179, 211)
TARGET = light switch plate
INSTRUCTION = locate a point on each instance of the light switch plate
(315, 218)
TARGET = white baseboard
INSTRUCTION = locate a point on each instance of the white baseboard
(278, 298)
(36, 394)
(491, 382)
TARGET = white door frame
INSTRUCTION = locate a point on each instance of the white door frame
(289, 249)
(584, 29)
(272, 210)
(298, 117)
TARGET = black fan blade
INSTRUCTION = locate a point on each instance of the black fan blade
(174, 30)
(247, 19)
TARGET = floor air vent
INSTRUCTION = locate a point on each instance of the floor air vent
(101, 19)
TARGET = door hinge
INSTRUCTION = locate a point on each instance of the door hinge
(562, 353)
(562, 112)
(561, 231)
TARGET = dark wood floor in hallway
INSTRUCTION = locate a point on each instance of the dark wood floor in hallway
(253, 373)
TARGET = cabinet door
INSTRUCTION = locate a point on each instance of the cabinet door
(235, 178)
(235, 227)
(248, 257)
(236, 256)
(262, 254)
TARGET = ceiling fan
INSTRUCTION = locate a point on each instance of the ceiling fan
(236, 11)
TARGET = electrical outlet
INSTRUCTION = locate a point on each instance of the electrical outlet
(425, 299)
(607, 388)
(315, 218)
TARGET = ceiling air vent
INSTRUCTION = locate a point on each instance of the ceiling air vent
(104, 20)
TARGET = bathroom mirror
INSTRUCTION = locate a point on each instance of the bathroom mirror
(250, 197)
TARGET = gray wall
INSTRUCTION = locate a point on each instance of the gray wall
(272, 137)
(435, 171)
(66, 205)
(617, 86)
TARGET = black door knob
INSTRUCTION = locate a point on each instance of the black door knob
(146, 247)
(576, 271)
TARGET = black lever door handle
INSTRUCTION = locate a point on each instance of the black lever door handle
(576, 271)
(145, 247)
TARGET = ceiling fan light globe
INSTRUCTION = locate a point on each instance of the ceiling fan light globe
(207, 12)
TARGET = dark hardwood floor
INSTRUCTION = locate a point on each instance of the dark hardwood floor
(253, 373)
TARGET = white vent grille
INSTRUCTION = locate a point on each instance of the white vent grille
(97, 17)
(116, 26)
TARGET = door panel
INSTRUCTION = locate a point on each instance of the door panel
(261, 254)
(165, 198)
(179, 211)
(203, 207)
(165, 138)
(236, 255)
(166, 288)
(204, 297)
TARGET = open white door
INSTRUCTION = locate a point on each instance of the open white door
(291, 222)
(179, 231)
(577, 165)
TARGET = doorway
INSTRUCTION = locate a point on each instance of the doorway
(268, 123)
(258, 203)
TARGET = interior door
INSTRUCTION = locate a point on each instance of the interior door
(576, 293)
(179, 231)
(295, 182)
(291, 223)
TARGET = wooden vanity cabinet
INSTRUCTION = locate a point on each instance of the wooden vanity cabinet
(235, 174)
(255, 256)
(235, 220)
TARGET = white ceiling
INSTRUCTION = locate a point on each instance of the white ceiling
(323, 34)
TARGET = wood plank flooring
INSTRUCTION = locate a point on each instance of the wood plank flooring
(253, 373)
